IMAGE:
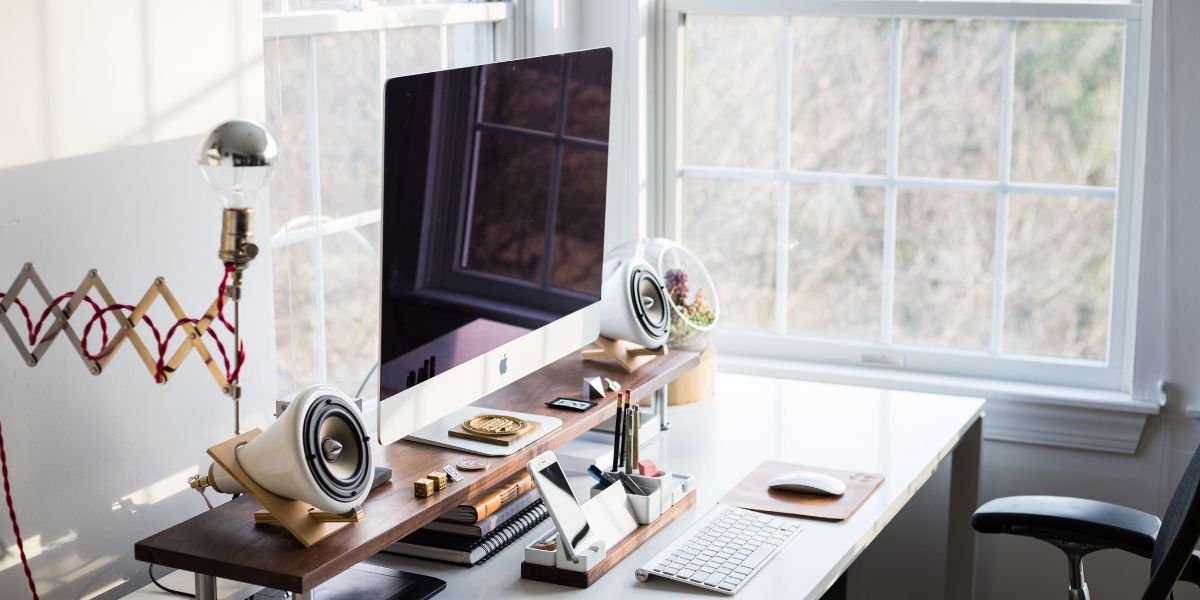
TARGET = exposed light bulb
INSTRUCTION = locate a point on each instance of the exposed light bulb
(237, 159)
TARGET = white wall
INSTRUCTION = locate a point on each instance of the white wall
(101, 114)
(82, 77)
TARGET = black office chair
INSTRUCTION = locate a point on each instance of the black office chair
(1079, 527)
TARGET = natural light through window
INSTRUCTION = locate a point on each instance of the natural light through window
(928, 186)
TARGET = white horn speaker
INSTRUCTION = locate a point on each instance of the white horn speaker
(634, 303)
(317, 452)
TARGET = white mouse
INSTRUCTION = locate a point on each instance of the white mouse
(808, 482)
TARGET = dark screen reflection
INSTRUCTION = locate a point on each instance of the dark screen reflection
(493, 206)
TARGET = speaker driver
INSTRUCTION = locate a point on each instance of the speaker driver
(649, 301)
(335, 448)
(634, 304)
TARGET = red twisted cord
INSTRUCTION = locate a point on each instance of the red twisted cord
(24, 311)
(37, 329)
(161, 342)
(12, 516)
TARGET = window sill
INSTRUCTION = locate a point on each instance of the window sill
(1048, 415)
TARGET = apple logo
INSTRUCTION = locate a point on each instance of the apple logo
(504, 364)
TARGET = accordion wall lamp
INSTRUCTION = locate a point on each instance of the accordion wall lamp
(236, 158)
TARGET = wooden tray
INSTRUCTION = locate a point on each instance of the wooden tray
(752, 493)
(614, 555)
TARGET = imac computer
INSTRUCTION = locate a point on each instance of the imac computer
(494, 181)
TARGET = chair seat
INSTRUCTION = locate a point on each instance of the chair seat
(1072, 520)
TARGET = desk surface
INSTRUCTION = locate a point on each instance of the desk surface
(224, 541)
(903, 435)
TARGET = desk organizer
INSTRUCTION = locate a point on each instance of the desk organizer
(642, 516)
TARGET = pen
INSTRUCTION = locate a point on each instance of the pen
(617, 433)
(637, 437)
(598, 475)
(629, 435)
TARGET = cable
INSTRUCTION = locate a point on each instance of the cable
(12, 516)
(164, 588)
(363, 385)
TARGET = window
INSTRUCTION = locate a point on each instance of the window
(946, 187)
(326, 64)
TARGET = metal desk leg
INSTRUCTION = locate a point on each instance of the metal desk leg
(206, 587)
(309, 595)
(964, 499)
(659, 400)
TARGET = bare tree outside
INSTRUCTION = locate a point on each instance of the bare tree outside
(1057, 260)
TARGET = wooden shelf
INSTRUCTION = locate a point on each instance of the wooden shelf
(633, 541)
(224, 541)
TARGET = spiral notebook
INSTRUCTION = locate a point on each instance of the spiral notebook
(466, 550)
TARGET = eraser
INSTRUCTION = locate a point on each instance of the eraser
(647, 468)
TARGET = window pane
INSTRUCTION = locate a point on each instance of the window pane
(840, 94)
(294, 274)
(1067, 102)
(535, 109)
(286, 70)
(1059, 276)
(731, 91)
(415, 50)
(511, 172)
(944, 264)
(350, 122)
(579, 223)
(951, 76)
(351, 305)
(835, 260)
(730, 225)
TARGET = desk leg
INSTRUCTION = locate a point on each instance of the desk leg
(659, 401)
(964, 499)
(206, 587)
(309, 595)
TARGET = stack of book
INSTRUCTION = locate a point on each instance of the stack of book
(470, 534)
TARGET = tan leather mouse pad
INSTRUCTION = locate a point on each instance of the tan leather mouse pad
(752, 493)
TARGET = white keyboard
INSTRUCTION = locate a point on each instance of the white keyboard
(723, 550)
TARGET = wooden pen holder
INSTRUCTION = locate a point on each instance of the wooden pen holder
(593, 563)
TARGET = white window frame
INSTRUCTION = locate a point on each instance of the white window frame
(368, 16)
(920, 367)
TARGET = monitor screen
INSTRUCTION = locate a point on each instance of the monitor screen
(493, 207)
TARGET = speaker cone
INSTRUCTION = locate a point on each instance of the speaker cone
(335, 448)
(649, 301)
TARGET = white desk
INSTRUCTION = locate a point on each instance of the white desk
(903, 435)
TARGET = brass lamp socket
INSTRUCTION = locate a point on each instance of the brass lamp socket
(236, 232)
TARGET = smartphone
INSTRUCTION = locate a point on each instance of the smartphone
(573, 529)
